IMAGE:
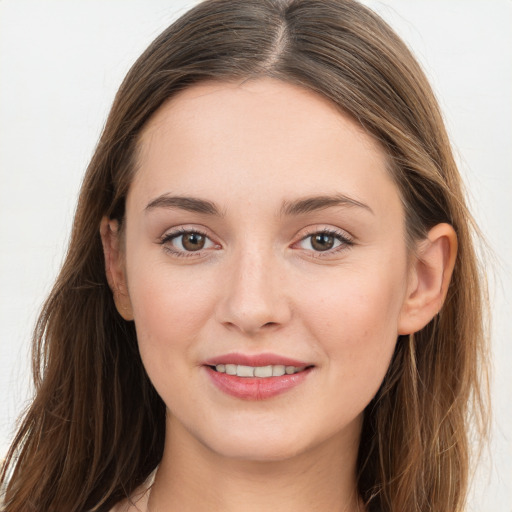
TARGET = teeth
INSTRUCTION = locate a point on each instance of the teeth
(263, 371)
(279, 369)
(230, 369)
(245, 371)
(258, 371)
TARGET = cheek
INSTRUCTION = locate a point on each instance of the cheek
(170, 310)
(362, 305)
(170, 307)
(355, 326)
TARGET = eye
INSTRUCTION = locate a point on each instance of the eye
(325, 241)
(186, 242)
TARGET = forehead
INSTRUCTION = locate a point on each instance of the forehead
(264, 136)
(265, 108)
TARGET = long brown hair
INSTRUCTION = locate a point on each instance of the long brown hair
(95, 429)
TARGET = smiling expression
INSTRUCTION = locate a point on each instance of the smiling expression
(263, 229)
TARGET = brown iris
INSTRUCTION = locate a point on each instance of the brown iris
(193, 241)
(322, 242)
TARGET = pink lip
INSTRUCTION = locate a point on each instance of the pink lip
(255, 388)
(264, 359)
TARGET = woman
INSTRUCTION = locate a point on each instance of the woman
(271, 296)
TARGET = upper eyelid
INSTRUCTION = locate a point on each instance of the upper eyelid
(181, 230)
(178, 230)
(331, 230)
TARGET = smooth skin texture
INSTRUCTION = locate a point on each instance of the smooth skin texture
(265, 279)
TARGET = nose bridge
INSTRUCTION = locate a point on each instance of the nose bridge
(254, 271)
(254, 296)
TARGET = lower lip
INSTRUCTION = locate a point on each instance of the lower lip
(256, 388)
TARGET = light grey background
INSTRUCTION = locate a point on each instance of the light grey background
(60, 65)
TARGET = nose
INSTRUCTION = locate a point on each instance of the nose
(254, 295)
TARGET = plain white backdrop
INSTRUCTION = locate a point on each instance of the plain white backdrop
(60, 65)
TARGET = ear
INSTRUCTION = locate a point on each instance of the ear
(115, 266)
(429, 278)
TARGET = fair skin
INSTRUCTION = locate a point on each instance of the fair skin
(329, 283)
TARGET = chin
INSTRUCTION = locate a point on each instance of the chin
(256, 446)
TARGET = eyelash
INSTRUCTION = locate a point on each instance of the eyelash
(345, 242)
(169, 237)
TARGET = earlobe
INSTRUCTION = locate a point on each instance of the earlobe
(429, 278)
(114, 266)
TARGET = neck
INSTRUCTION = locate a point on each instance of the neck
(193, 478)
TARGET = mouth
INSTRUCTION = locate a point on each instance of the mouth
(256, 377)
(267, 371)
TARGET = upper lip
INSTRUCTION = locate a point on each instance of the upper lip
(265, 359)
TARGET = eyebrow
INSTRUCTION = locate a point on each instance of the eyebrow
(190, 204)
(289, 208)
(315, 203)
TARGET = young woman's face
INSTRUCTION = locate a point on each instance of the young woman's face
(263, 236)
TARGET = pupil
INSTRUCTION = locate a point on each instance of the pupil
(193, 242)
(322, 242)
